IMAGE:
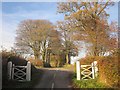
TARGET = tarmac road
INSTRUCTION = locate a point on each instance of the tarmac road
(55, 78)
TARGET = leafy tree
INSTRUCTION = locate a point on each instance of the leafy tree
(89, 21)
(70, 48)
(55, 46)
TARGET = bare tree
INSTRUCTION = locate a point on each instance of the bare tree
(33, 34)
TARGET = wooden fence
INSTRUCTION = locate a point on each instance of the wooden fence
(19, 73)
(86, 71)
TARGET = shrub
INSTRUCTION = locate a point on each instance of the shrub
(89, 59)
(6, 57)
(36, 62)
(9, 56)
(47, 65)
(108, 68)
(70, 67)
(56, 61)
(108, 71)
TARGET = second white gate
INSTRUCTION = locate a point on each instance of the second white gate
(86, 71)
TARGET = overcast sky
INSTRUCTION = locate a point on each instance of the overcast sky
(14, 12)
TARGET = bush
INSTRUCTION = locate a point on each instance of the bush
(108, 68)
(9, 56)
(108, 71)
(89, 59)
(70, 67)
(36, 62)
(47, 65)
(56, 61)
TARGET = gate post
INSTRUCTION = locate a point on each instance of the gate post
(78, 70)
(93, 71)
(28, 71)
(96, 68)
(13, 72)
(9, 68)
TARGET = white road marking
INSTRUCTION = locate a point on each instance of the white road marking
(52, 86)
(54, 78)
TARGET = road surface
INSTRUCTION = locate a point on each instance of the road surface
(55, 78)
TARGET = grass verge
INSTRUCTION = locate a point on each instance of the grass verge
(90, 83)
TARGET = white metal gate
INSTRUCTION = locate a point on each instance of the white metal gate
(86, 71)
(19, 73)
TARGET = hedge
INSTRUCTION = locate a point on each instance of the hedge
(89, 59)
(9, 56)
(108, 69)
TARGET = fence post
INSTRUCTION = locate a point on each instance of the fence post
(9, 68)
(96, 68)
(28, 72)
(78, 70)
(13, 72)
(93, 71)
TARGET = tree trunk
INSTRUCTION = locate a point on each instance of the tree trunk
(36, 54)
(43, 57)
(67, 58)
(46, 55)
(48, 58)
